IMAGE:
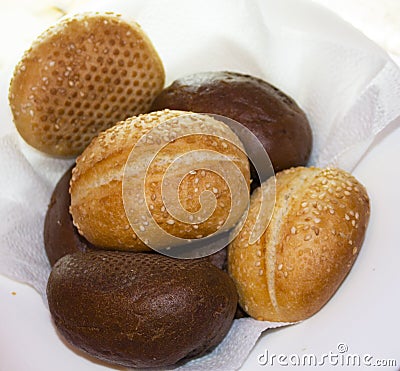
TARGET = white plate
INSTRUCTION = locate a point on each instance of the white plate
(362, 316)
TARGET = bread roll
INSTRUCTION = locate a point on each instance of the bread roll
(315, 234)
(140, 310)
(60, 236)
(275, 118)
(80, 77)
(97, 203)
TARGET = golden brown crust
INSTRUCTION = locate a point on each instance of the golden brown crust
(96, 188)
(80, 77)
(310, 245)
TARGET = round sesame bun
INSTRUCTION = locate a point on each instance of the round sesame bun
(79, 78)
(98, 203)
(316, 231)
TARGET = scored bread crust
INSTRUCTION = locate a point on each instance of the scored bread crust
(314, 236)
(80, 77)
(97, 205)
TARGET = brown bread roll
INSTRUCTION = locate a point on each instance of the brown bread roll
(275, 119)
(97, 203)
(140, 310)
(315, 234)
(60, 235)
(79, 78)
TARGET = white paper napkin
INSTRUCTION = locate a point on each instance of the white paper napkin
(349, 88)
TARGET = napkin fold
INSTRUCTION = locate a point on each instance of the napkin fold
(348, 87)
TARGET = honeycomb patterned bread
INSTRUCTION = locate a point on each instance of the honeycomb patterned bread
(79, 78)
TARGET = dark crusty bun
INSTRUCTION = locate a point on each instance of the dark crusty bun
(315, 234)
(276, 120)
(62, 238)
(80, 77)
(60, 235)
(140, 310)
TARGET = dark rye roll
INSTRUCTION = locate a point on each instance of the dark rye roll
(140, 310)
(276, 120)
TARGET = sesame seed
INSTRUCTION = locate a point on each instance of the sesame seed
(354, 250)
(307, 237)
(304, 204)
(153, 197)
(353, 223)
(317, 220)
(162, 209)
(280, 266)
(350, 242)
(346, 217)
(215, 190)
(260, 272)
(193, 172)
(346, 193)
(257, 264)
(293, 230)
(203, 173)
(170, 222)
(258, 252)
(195, 226)
(285, 274)
(357, 215)
(324, 181)
(196, 180)
(142, 228)
(316, 231)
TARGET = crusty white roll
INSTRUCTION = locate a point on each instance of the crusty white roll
(97, 202)
(314, 236)
(79, 78)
